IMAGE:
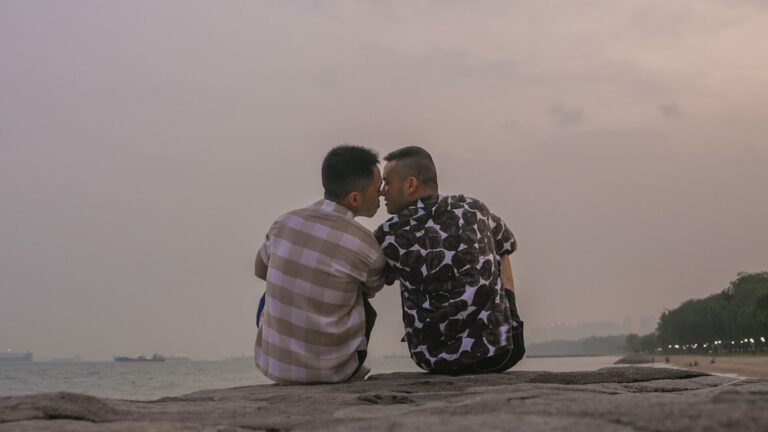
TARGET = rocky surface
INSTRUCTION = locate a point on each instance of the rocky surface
(611, 399)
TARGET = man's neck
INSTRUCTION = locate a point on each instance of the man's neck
(427, 193)
(342, 203)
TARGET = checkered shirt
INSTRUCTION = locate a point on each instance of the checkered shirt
(321, 263)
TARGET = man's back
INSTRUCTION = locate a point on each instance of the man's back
(313, 323)
(445, 251)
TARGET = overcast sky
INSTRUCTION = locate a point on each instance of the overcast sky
(146, 147)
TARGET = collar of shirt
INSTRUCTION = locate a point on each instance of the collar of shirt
(428, 201)
(331, 207)
(418, 212)
(419, 207)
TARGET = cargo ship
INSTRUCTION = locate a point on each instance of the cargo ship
(10, 356)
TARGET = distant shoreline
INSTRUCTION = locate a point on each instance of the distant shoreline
(745, 365)
(570, 355)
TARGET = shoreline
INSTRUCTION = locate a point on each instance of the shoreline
(570, 355)
(742, 365)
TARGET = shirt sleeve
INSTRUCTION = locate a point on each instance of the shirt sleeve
(503, 239)
(374, 280)
(264, 250)
(390, 274)
(384, 238)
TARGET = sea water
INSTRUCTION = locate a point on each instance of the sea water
(153, 380)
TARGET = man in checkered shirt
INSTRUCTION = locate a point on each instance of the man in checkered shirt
(320, 268)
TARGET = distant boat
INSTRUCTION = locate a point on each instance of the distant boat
(141, 358)
(10, 356)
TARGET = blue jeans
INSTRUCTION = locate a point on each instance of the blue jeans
(260, 310)
(370, 320)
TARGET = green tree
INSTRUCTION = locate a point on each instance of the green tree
(738, 312)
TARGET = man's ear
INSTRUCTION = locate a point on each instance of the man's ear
(411, 185)
(354, 199)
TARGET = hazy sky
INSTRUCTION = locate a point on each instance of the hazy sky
(146, 147)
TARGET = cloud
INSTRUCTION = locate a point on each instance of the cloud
(566, 116)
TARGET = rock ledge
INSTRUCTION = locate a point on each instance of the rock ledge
(610, 399)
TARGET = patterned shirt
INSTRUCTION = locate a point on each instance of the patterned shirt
(320, 264)
(446, 250)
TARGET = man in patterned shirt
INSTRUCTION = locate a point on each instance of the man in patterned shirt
(321, 266)
(451, 255)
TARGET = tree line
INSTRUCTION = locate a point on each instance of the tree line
(733, 320)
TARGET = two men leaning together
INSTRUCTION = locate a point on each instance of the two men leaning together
(321, 267)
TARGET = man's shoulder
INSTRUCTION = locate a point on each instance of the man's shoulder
(297, 219)
(314, 222)
(461, 201)
(316, 215)
(299, 213)
(446, 203)
(309, 212)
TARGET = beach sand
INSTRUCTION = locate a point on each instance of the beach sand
(745, 365)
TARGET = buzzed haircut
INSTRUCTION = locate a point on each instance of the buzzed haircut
(414, 161)
(347, 168)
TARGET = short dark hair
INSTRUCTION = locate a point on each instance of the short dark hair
(347, 168)
(414, 161)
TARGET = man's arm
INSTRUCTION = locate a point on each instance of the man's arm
(261, 267)
(506, 273)
(383, 237)
(262, 256)
(375, 278)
